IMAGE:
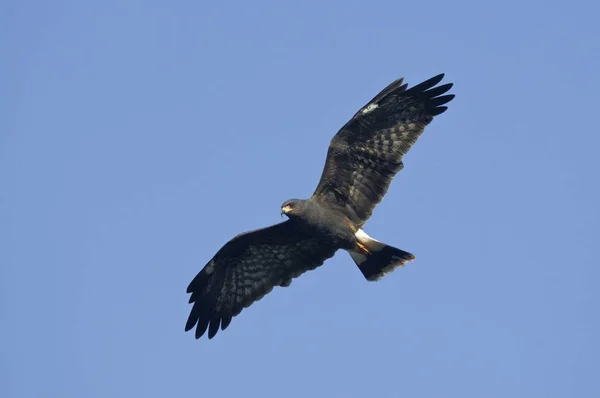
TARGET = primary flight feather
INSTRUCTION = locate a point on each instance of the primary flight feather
(363, 158)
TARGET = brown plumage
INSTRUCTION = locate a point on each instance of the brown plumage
(365, 155)
(363, 158)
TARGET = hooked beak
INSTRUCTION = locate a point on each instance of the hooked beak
(285, 210)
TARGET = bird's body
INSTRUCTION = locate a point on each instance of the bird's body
(329, 226)
(362, 160)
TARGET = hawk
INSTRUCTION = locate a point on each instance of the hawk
(362, 159)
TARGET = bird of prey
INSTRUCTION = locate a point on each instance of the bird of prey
(362, 159)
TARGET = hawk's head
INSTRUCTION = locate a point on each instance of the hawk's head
(292, 207)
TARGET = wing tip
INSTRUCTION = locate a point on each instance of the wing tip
(191, 321)
(213, 328)
(438, 110)
(206, 317)
(437, 78)
(433, 94)
(427, 84)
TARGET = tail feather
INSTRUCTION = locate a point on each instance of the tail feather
(378, 259)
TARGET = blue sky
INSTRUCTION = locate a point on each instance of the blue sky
(138, 137)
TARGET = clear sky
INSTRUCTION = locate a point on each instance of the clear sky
(137, 137)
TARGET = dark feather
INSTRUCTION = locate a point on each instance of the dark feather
(248, 267)
(365, 155)
(363, 158)
(225, 321)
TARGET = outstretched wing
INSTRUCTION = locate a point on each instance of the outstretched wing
(365, 155)
(247, 268)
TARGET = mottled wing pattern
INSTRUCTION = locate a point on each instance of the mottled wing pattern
(365, 155)
(245, 269)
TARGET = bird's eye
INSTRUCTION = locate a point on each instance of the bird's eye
(291, 205)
